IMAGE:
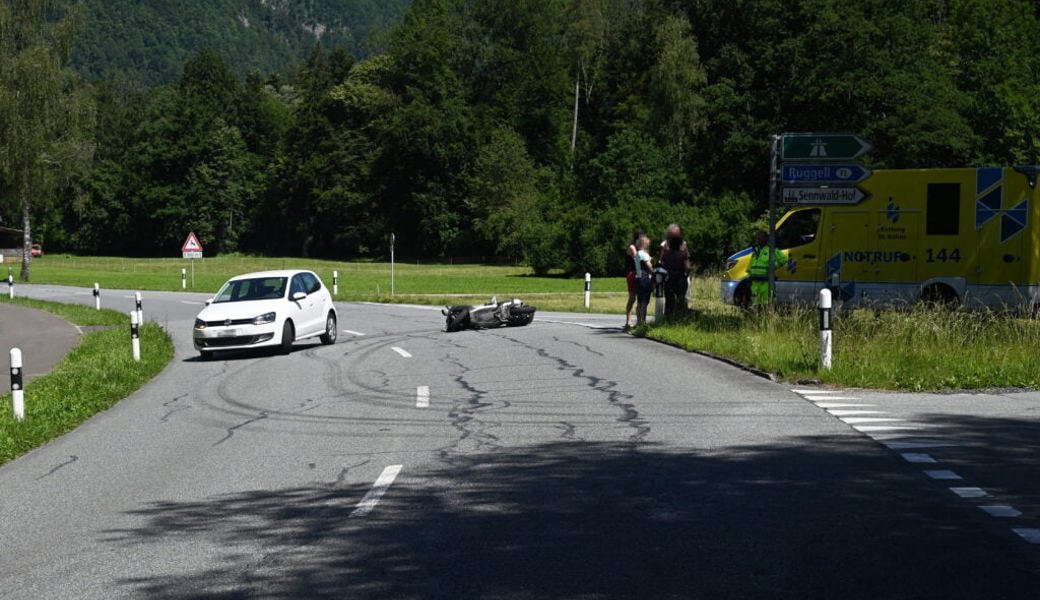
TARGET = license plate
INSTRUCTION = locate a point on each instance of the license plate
(227, 333)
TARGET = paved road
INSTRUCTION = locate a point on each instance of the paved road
(559, 460)
(43, 338)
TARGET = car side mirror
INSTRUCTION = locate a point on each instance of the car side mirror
(209, 301)
(297, 296)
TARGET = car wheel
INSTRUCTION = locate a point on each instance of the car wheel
(288, 337)
(329, 337)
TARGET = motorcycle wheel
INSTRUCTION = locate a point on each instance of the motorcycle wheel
(457, 319)
(520, 315)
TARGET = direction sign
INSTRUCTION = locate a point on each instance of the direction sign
(823, 195)
(191, 247)
(824, 173)
(823, 146)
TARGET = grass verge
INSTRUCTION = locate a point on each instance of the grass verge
(917, 350)
(96, 374)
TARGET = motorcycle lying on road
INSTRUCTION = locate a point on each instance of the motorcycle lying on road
(513, 313)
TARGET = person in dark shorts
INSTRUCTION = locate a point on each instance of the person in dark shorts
(630, 275)
(644, 268)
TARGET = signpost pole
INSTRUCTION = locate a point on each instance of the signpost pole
(773, 154)
(391, 263)
(193, 273)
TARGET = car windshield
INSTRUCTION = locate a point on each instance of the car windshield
(261, 288)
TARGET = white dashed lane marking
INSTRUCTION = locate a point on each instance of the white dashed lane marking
(1028, 534)
(943, 474)
(916, 444)
(401, 351)
(830, 405)
(881, 428)
(969, 492)
(422, 396)
(371, 499)
(352, 332)
(916, 457)
(858, 420)
(1001, 511)
(852, 413)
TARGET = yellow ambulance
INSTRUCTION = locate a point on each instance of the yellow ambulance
(959, 236)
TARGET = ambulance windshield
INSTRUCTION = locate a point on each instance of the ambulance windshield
(799, 229)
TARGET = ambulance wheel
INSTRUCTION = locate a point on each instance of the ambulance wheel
(938, 295)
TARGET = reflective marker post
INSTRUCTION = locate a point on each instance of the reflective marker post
(17, 391)
(10, 286)
(135, 336)
(140, 313)
(335, 283)
(184, 279)
(825, 329)
(588, 290)
(97, 296)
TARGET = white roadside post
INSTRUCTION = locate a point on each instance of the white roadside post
(825, 329)
(97, 296)
(588, 290)
(335, 283)
(184, 279)
(135, 336)
(660, 276)
(140, 313)
(17, 393)
(10, 286)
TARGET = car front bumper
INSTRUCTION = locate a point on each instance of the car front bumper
(235, 337)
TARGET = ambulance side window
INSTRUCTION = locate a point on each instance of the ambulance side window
(799, 229)
(944, 209)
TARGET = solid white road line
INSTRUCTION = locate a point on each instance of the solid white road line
(858, 420)
(917, 457)
(1028, 534)
(811, 392)
(969, 492)
(401, 351)
(830, 405)
(352, 332)
(192, 303)
(1002, 511)
(422, 396)
(942, 474)
(382, 484)
(849, 413)
(833, 398)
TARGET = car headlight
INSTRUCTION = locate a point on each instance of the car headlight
(264, 319)
(200, 324)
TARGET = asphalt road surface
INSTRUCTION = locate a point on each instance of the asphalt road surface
(564, 459)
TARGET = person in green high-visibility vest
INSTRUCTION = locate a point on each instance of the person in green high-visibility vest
(758, 269)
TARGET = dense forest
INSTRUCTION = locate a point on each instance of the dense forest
(149, 41)
(541, 131)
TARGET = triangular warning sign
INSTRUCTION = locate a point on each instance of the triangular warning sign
(191, 244)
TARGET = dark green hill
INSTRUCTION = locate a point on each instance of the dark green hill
(149, 40)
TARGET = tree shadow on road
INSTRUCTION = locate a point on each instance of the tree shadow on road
(821, 518)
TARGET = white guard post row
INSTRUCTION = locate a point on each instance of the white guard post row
(135, 336)
(825, 329)
(17, 391)
(97, 296)
(588, 290)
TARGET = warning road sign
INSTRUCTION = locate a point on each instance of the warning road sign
(191, 247)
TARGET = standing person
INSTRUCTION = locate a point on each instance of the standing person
(644, 268)
(630, 275)
(758, 269)
(675, 258)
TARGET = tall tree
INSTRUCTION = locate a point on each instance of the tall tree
(45, 115)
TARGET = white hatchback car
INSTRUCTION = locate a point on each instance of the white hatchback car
(269, 308)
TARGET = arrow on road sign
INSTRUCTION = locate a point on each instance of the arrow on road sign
(823, 195)
(824, 173)
(823, 146)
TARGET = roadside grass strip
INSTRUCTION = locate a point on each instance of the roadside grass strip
(95, 375)
(919, 349)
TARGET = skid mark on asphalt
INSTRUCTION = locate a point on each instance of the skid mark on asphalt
(72, 458)
(231, 430)
(174, 409)
(893, 436)
(630, 416)
(466, 415)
